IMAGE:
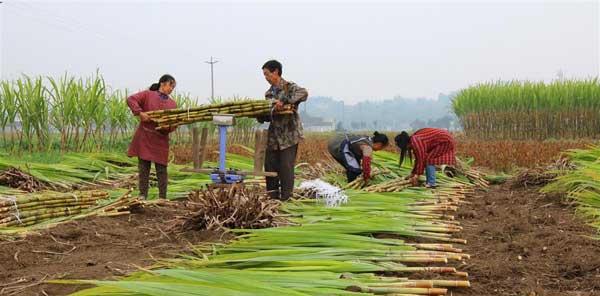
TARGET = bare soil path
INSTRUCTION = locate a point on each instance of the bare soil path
(526, 243)
(92, 248)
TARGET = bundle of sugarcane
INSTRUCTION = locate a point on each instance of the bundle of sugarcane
(122, 205)
(31, 209)
(358, 183)
(377, 176)
(315, 171)
(477, 178)
(247, 108)
(394, 185)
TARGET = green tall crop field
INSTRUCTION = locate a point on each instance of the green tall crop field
(41, 114)
(530, 110)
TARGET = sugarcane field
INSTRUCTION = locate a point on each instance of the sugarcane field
(418, 148)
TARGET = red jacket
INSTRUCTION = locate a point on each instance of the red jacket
(148, 143)
(432, 146)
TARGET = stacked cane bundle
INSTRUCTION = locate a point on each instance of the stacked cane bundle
(26, 210)
(394, 185)
(378, 176)
(477, 178)
(247, 108)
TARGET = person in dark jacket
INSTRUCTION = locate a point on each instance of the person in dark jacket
(285, 131)
(354, 153)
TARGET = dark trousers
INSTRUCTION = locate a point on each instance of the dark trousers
(144, 178)
(351, 175)
(282, 162)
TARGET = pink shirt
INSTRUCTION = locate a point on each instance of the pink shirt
(148, 143)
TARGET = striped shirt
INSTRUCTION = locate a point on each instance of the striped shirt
(432, 146)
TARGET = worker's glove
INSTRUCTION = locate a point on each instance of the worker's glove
(366, 168)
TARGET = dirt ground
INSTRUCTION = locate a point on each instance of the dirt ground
(94, 248)
(526, 243)
(521, 243)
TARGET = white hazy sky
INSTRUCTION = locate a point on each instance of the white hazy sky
(348, 50)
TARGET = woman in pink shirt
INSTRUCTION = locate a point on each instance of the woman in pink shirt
(430, 147)
(148, 144)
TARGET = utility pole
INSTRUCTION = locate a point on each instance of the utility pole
(212, 78)
(343, 115)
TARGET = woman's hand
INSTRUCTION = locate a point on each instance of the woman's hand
(414, 180)
(144, 117)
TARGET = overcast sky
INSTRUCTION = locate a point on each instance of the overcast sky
(348, 50)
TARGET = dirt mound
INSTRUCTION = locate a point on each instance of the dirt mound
(542, 175)
(526, 243)
(94, 248)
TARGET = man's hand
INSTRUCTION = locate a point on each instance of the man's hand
(414, 180)
(278, 105)
(144, 117)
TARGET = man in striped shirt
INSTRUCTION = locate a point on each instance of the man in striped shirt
(430, 147)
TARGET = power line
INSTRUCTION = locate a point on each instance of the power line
(73, 25)
(56, 23)
(71, 22)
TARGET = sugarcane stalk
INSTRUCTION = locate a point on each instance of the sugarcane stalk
(44, 206)
(395, 290)
(36, 219)
(43, 196)
(177, 117)
(427, 284)
(47, 204)
(27, 214)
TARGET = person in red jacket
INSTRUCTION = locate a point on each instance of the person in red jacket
(430, 147)
(148, 144)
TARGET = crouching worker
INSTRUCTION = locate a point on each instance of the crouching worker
(430, 147)
(354, 153)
